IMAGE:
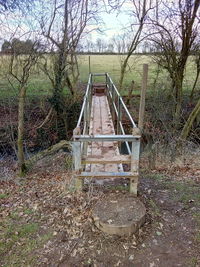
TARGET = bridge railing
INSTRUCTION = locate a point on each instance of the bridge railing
(81, 136)
(86, 107)
(118, 109)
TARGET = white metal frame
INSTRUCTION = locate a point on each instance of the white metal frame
(81, 135)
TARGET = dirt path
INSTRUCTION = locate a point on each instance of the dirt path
(44, 224)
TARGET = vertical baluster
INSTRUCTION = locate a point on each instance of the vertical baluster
(76, 148)
(113, 108)
(106, 74)
(85, 123)
(119, 114)
(119, 121)
(135, 165)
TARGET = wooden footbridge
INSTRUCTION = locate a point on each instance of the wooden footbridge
(99, 133)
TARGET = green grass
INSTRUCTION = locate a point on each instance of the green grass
(39, 84)
(19, 240)
(192, 262)
(111, 64)
(28, 211)
(184, 192)
(2, 196)
(157, 176)
(155, 208)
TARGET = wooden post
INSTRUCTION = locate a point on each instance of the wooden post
(89, 65)
(135, 165)
(106, 75)
(76, 148)
(142, 96)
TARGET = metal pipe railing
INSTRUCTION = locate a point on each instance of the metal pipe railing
(82, 138)
(89, 85)
(106, 138)
(111, 85)
(114, 95)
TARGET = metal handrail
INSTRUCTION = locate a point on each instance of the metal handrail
(109, 84)
(100, 137)
(121, 101)
(82, 137)
(84, 101)
(113, 94)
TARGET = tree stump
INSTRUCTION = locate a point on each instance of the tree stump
(121, 216)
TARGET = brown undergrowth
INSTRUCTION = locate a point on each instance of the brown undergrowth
(45, 223)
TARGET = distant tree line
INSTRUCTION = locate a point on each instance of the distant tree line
(20, 47)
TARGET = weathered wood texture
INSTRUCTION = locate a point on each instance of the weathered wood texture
(101, 123)
(142, 97)
(100, 154)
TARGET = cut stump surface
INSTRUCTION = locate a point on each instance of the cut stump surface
(122, 216)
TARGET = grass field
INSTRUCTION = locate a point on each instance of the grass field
(40, 85)
(111, 64)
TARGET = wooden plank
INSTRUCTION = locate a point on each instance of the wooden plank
(105, 175)
(117, 157)
(109, 147)
(95, 127)
(103, 160)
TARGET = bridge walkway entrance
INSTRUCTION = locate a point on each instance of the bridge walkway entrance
(99, 134)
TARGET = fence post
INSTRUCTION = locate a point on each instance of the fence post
(76, 148)
(142, 96)
(135, 156)
(135, 165)
(89, 65)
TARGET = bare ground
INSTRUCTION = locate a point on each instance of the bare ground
(43, 222)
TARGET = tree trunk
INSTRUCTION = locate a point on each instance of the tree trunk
(178, 88)
(21, 162)
(130, 92)
(122, 72)
(190, 120)
(195, 83)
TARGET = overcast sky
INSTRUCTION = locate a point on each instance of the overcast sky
(113, 23)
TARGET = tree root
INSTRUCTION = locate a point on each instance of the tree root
(47, 152)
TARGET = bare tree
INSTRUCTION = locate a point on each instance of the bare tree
(19, 73)
(110, 48)
(188, 125)
(101, 45)
(196, 52)
(63, 28)
(11, 5)
(140, 13)
(176, 29)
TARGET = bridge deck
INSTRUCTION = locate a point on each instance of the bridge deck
(95, 147)
(101, 123)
